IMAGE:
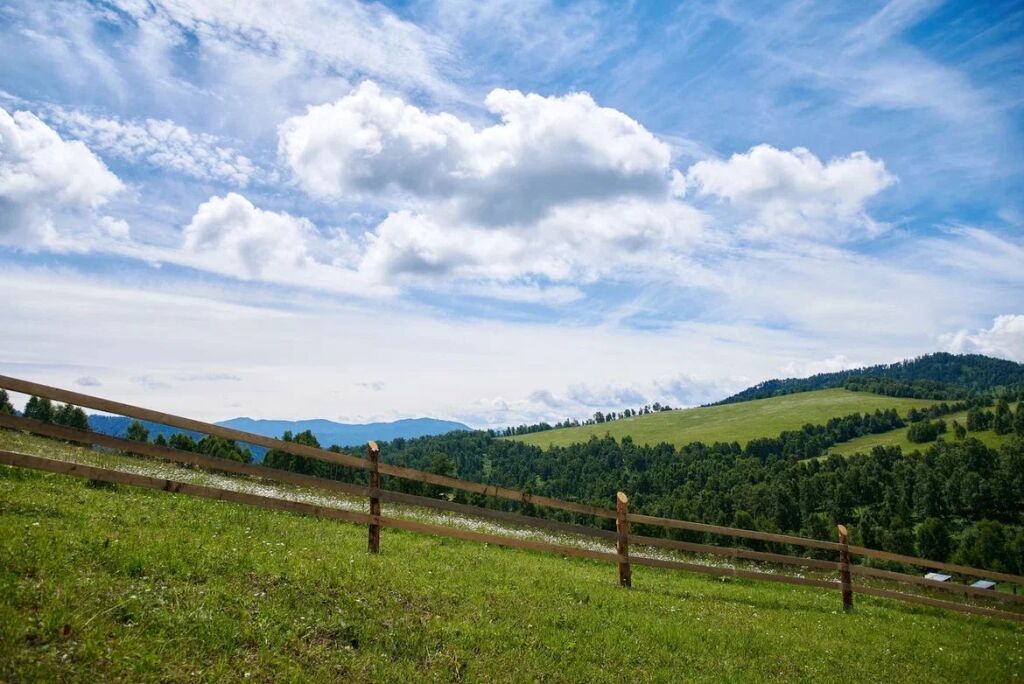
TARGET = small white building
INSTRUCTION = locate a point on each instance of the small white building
(984, 584)
(938, 577)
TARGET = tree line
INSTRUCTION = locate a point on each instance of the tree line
(209, 445)
(974, 372)
(44, 410)
(598, 418)
(906, 389)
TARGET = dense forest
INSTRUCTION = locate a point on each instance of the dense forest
(907, 389)
(972, 372)
(957, 500)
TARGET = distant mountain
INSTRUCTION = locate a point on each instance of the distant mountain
(327, 432)
(972, 371)
(347, 434)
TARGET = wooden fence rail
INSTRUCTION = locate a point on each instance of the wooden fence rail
(375, 521)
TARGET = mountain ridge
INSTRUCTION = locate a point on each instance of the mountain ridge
(327, 432)
(975, 372)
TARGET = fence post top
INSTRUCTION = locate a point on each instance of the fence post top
(621, 496)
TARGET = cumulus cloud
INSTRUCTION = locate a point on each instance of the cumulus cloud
(249, 240)
(792, 193)
(558, 189)
(1004, 339)
(160, 143)
(51, 189)
(544, 151)
(580, 241)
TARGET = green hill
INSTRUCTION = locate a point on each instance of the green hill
(121, 584)
(898, 437)
(738, 422)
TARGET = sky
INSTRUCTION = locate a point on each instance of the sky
(501, 212)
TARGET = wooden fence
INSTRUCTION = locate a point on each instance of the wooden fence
(621, 536)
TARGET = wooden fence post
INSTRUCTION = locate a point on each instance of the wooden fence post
(374, 472)
(622, 541)
(844, 568)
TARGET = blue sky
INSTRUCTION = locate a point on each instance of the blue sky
(501, 212)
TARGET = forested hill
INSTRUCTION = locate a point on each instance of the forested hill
(971, 371)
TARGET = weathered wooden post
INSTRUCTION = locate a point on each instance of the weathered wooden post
(844, 568)
(374, 453)
(622, 541)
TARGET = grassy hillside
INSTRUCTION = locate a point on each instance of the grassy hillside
(100, 583)
(739, 422)
(899, 438)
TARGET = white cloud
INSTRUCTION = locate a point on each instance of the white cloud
(559, 189)
(582, 241)
(1004, 339)
(51, 189)
(533, 36)
(250, 241)
(793, 193)
(160, 143)
(545, 151)
(977, 253)
(340, 36)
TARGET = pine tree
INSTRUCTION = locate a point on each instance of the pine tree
(183, 442)
(1003, 422)
(62, 414)
(933, 540)
(79, 420)
(137, 432)
(39, 409)
(6, 407)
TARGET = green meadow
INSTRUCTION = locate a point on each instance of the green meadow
(738, 422)
(102, 583)
(898, 438)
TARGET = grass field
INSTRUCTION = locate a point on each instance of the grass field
(899, 438)
(100, 583)
(739, 422)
